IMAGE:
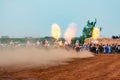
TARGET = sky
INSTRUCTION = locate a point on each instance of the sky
(21, 18)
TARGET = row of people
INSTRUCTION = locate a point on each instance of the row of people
(99, 48)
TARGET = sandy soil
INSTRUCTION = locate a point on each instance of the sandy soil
(100, 67)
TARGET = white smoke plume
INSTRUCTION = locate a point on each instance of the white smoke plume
(70, 32)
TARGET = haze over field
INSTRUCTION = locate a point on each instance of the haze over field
(33, 57)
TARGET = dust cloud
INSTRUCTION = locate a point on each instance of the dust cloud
(34, 57)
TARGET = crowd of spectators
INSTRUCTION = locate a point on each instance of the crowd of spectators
(103, 45)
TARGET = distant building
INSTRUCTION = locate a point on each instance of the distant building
(29, 37)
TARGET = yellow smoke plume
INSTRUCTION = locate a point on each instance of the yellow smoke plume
(95, 33)
(55, 31)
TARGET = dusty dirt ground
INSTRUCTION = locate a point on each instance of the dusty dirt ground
(100, 67)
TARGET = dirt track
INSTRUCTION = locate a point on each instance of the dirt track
(100, 67)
